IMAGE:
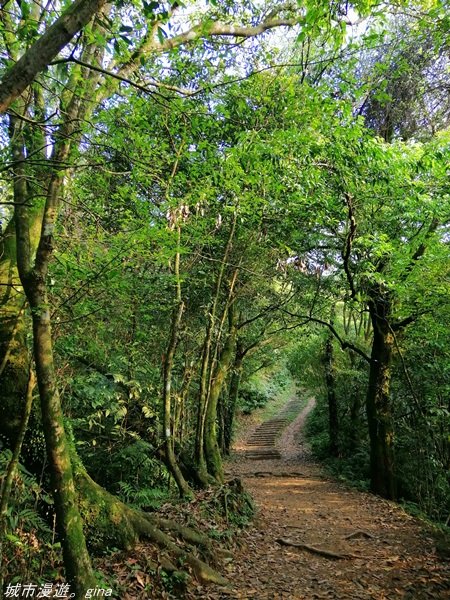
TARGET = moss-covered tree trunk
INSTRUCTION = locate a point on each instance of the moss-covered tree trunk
(204, 391)
(14, 325)
(14, 322)
(14, 319)
(233, 395)
(33, 274)
(378, 401)
(213, 455)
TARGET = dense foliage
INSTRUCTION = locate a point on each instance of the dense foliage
(184, 220)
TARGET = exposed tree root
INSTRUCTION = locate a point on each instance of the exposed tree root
(186, 533)
(201, 570)
(110, 522)
(163, 562)
(314, 550)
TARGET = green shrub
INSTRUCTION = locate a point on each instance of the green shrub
(29, 550)
(251, 398)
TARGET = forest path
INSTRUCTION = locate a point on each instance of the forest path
(382, 553)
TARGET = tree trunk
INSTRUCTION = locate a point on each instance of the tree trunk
(378, 402)
(355, 409)
(199, 456)
(14, 323)
(233, 396)
(333, 419)
(181, 416)
(168, 430)
(14, 354)
(212, 451)
(33, 273)
(14, 326)
(170, 459)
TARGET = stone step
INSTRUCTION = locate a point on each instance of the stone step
(261, 453)
(263, 456)
(273, 430)
(262, 444)
(262, 448)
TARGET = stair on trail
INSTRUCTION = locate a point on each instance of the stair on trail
(261, 443)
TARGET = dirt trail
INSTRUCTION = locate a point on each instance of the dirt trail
(381, 552)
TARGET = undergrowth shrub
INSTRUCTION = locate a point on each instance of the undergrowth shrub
(259, 389)
(30, 552)
(142, 497)
(251, 398)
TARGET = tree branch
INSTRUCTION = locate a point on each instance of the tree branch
(98, 69)
(203, 30)
(408, 320)
(44, 50)
(420, 251)
(343, 343)
(348, 243)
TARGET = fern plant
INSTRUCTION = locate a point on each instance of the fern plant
(144, 498)
(29, 549)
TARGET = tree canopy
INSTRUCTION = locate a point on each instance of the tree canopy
(195, 195)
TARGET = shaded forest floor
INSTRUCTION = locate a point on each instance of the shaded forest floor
(384, 554)
(372, 549)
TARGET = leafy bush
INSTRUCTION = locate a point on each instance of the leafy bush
(251, 398)
(29, 550)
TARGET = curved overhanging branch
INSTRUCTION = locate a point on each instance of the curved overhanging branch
(218, 28)
(151, 44)
(345, 345)
(112, 74)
